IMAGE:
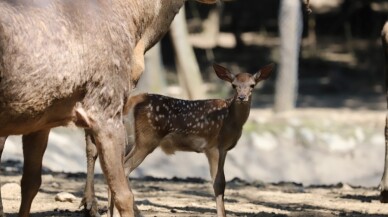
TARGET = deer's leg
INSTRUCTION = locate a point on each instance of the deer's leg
(2, 143)
(34, 146)
(112, 210)
(89, 200)
(132, 161)
(110, 141)
(216, 160)
(384, 179)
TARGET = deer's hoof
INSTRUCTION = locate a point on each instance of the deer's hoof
(90, 207)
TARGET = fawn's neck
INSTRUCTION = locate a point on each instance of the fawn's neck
(239, 111)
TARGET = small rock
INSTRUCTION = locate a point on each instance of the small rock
(237, 182)
(344, 186)
(65, 197)
(11, 169)
(47, 178)
(259, 183)
(55, 185)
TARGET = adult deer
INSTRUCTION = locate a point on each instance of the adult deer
(211, 126)
(74, 61)
(384, 180)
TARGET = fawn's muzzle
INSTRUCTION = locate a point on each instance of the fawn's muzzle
(241, 97)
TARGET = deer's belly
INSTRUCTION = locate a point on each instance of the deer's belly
(177, 142)
(59, 113)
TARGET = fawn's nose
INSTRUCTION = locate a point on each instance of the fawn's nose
(241, 97)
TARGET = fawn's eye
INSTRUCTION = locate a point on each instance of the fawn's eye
(234, 86)
(252, 86)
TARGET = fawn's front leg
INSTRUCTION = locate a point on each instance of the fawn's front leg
(89, 200)
(34, 146)
(2, 143)
(216, 158)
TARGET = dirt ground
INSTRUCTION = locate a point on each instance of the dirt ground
(193, 197)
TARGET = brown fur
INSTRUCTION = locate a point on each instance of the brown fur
(72, 61)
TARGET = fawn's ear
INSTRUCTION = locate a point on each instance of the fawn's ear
(223, 73)
(264, 72)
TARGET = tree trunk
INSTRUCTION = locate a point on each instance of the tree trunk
(290, 24)
(188, 65)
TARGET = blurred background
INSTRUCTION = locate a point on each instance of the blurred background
(319, 119)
